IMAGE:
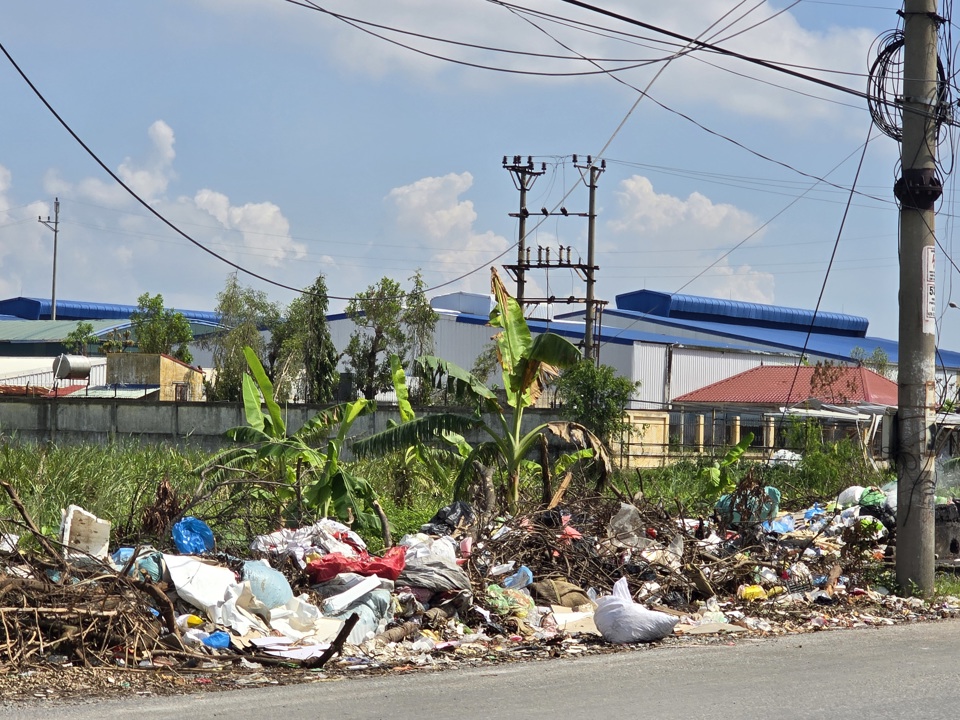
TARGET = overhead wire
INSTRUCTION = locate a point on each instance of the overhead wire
(236, 266)
(130, 191)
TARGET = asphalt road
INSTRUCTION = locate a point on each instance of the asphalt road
(871, 674)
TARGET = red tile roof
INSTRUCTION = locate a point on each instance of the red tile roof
(772, 385)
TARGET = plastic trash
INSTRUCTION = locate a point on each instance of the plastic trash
(729, 507)
(268, 585)
(218, 639)
(620, 620)
(372, 608)
(193, 536)
(751, 593)
(872, 496)
(329, 566)
(780, 525)
(627, 529)
(185, 622)
(519, 580)
(850, 496)
(456, 516)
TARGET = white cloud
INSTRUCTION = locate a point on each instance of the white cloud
(780, 38)
(432, 214)
(644, 211)
(262, 226)
(110, 247)
(150, 178)
(665, 241)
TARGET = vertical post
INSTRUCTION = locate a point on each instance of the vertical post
(918, 189)
(522, 243)
(524, 175)
(55, 226)
(589, 326)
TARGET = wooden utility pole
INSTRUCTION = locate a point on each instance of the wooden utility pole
(918, 189)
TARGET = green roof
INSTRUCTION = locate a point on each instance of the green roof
(51, 331)
(54, 331)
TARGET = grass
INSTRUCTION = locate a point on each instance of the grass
(946, 583)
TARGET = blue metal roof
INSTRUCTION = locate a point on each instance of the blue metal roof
(616, 336)
(736, 312)
(27, 308)
(838, 347)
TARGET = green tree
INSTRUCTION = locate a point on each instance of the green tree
(595, 396)
(243, 312)
(304, 343)
(79, 340)
(388, 322)
(420, 320)
(158, 330)
(878, 360)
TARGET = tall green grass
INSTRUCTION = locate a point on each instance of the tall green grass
(113, 481)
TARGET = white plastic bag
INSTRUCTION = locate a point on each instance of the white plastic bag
(620, 620)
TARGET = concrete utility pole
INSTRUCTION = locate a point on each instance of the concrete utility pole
(590, 350)
(55, 226)
(524, 176)
(918, 189)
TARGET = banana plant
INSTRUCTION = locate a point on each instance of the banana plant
(331, 488)
(720, 477)
(526, 362)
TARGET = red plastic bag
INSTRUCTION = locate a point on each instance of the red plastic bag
(329, 566)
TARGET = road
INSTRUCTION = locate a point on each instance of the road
(891, 672)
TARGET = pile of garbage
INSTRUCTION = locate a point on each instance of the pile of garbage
(589, 572)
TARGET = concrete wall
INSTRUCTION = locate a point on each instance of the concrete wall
(188, 424)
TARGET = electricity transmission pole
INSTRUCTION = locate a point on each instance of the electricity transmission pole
(524, 176)
(918, 189)
(55, 226)
(590, 350)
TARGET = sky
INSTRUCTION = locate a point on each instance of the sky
(292, 142)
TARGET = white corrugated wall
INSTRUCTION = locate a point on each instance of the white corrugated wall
(694, 368)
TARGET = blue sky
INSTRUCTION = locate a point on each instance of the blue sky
(295, 144)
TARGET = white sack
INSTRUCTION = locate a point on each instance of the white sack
(620, 620)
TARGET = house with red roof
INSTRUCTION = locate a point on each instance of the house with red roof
(847, 401)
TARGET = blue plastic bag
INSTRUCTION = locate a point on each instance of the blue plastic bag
(520, 579)
(193, 536)
(218, 639)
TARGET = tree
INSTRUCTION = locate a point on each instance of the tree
(304, 342)
(157, 330)
(79, 340)
(878, 360)
(387, 325)
(595, 396)
(243, 312)
(420, 320)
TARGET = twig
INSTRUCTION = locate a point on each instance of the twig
(384, 525)
(41, 538)
(336, 646)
